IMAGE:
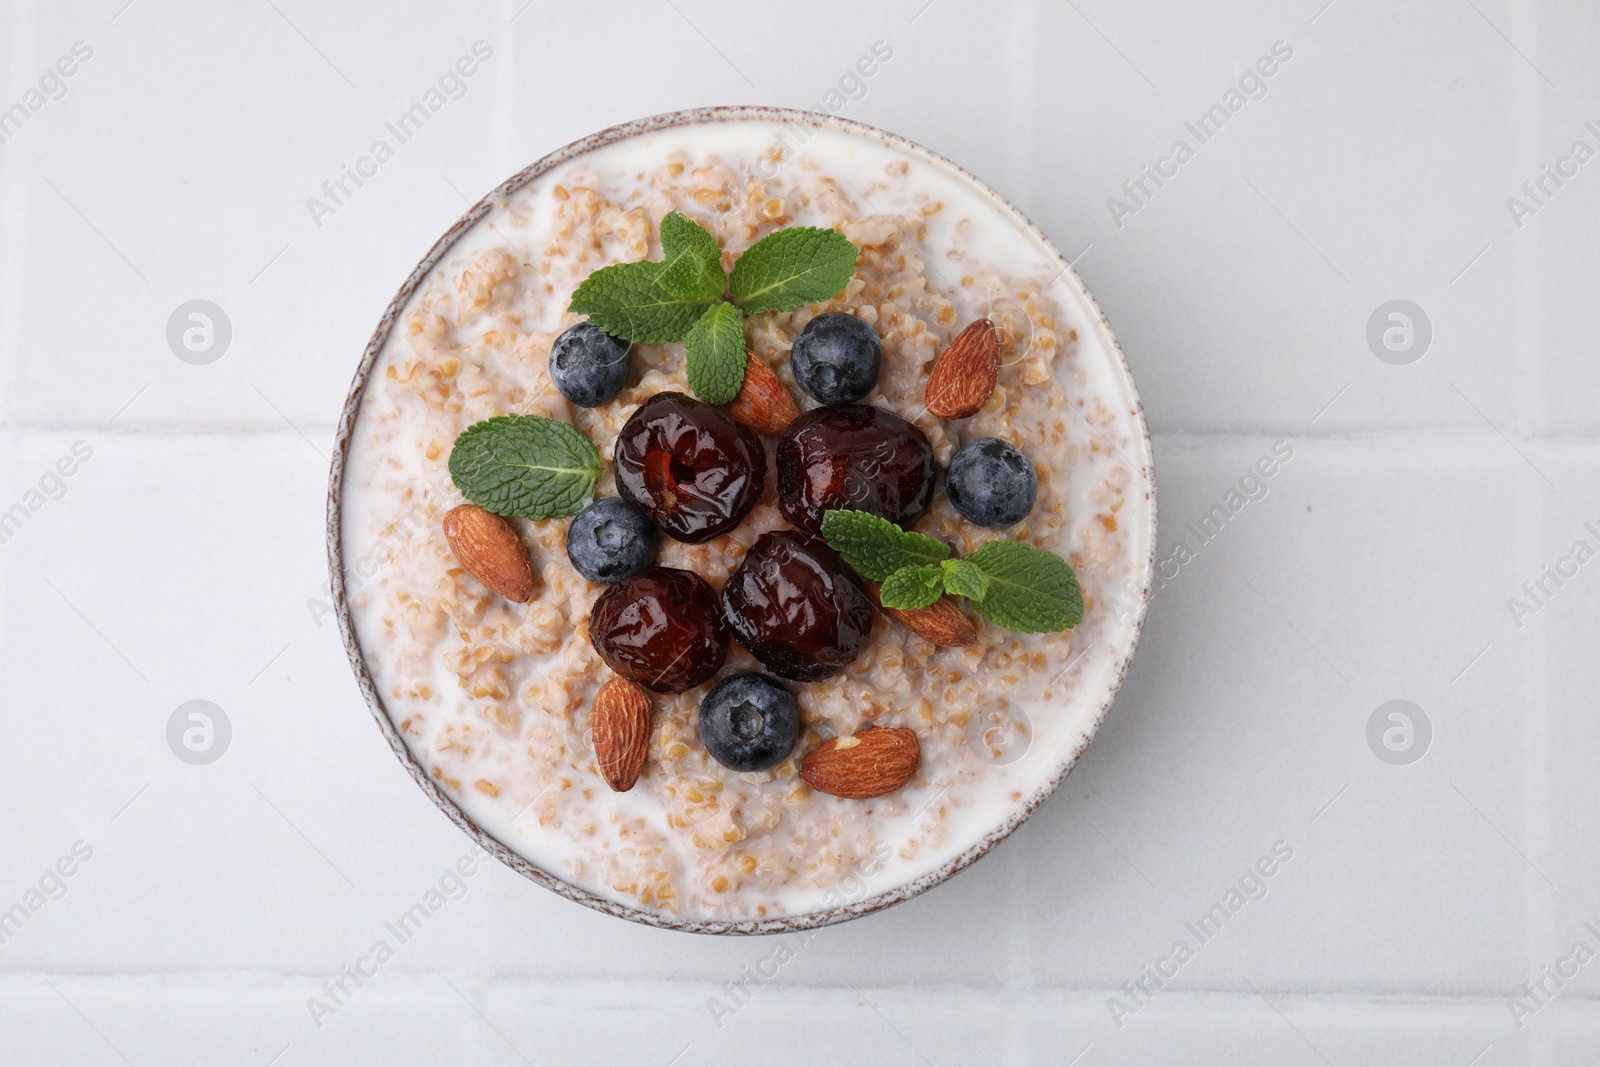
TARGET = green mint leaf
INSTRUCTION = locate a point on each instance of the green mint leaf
(793, 267)
(629, 300)
(715, 347)
(910, 588)
(1030, 590)
(525, 466)
(692, 263)
(876, 547)
(965, 578)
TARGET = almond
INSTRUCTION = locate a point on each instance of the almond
(873, 763)
(620, 721)
(763, 404)
(941, 623)
(962, 379)
(489, 548)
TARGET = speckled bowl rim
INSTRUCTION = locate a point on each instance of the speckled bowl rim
(352, 408)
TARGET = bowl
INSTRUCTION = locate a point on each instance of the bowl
(1108, 648)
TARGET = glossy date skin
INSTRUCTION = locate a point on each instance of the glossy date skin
(796, 606)
(663, 628)
(689, 468)
(854, 456)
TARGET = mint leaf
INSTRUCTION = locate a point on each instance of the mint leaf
(525, 466)
(716, 360)
(630, 300)
(910, 588)
(692, 264)
(965, 578)
(1029, 589)
(792, 267)
(876, 547)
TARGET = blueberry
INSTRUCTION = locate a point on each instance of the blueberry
(836, 358)
(749, 722)
(991, 483)
(610, 541)
(589, 365)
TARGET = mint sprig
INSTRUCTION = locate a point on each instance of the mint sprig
(910, 588)
(793, 267)
(632, 301)
(692, 267)
(876, 547)
(1009, 583)
(1030, 590)
(525, 466)
(715, 351)
(688, 297)
(962, 577)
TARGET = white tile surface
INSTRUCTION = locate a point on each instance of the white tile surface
(183, 559)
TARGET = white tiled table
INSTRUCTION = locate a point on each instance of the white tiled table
(184, 559)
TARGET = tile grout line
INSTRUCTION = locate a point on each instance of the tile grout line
(15, 182)
(601, 993)
(1539, 925)
(14, 186)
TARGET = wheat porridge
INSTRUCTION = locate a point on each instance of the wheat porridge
(494, 697)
